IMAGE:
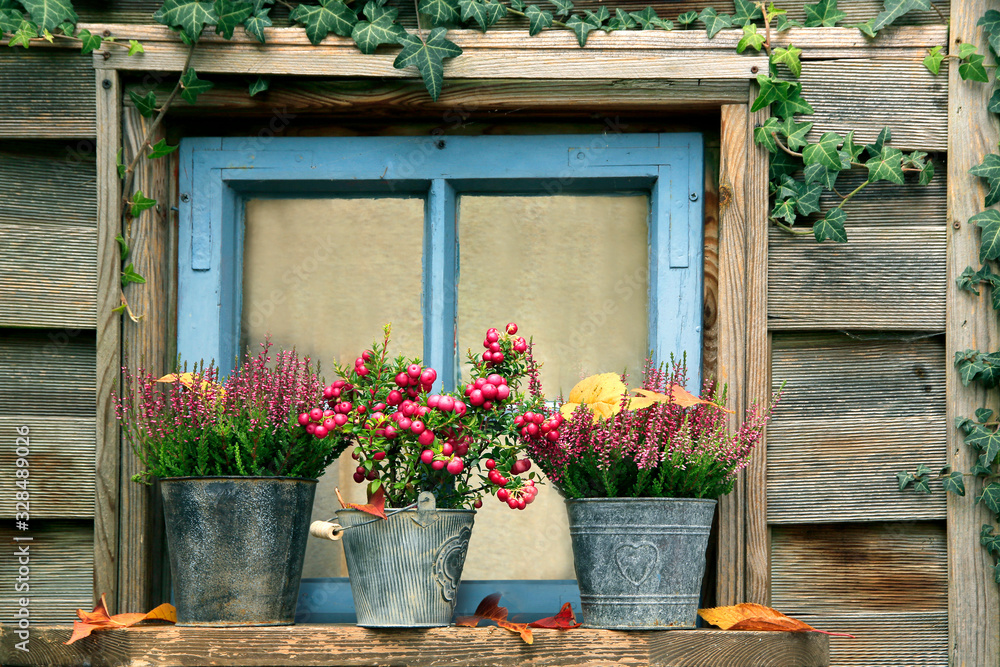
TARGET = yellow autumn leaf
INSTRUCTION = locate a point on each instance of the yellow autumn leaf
(189, 379)
(679, 396)
(602, 394)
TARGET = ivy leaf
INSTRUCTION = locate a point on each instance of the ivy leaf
(192, 86)
(831, 226)
(915, 160)
(824, 152)
(989, 540)
(894, 9)
(905, 479)
(994, 105)
(598, 18)
(888, 166)
(123, 249)
(875, 149)
(130, 276)
(254, 25)
(189, 16)
(983, 415)
(685, 19)
(989, 169)
(922, 485)
(771, 90)
(966, 50)
(991, 25)
(474, 10)
(793, 103)
(783, 23)
(381, 28)
(134, 47)
(808, 200)
(495, 11)
(954, 483)
(538, 19)
(973, 69)
(934, 59)
(823, 14)
(968, 364)
(788, 187)
(763, 135)
(922, 470)
(517, 5)
(714, 22)
(160, 148)
(751, 39)
(991, 497)
(428, 57)
(144, 105)
(90, 41)
(649, 20)
(581, 28)
(48, 14)
(982, 468)
(563, 7)
(230, 14)
(121, 167)
(333, 16)
(140, 203)
(867, 28)
(795, 133)
(25, 32)
(817, 173)
(784, 209)
(989, 222)
(260, 85)
(789, 57)
(989, 372)
(783, 163)
(745, 11)
(621, 21)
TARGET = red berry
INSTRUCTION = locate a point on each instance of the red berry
(315, 414)
(407, 408)
(337, 384)
(390, 432)
(373, 474)
(428, 376)
(459, 408)
(487, 405)
(494, 347)
(412, 392)
(361, 409)
(539, 418)
(525, 465)
(532, 429)
(492, 336)
(487, 356)
(340, 420)
(462, 449)
(359, 477)
(497, 357)
(367, 355)
(476, 398)
(447, 449)
(433, 400)
(402, 380)
(552, 436)
(311, 428)
(394, 398)
(503, 392)
(422, 410)
(489, 391)
(378, 456)
(519, 420)
(320, 431)
(362, 371)
(437, 465)
(378, 407)
(490, 464)
(413, 370)
(521, 503)
(359, 363)
(426, 438)
(512, 502)
(495, 379)
(503, 494)
(405, 423)
(455, 466)
(427, 456)
(511, 328)
(303, 418)
(478, 503)
(446, 403)
(520, 345)
(417, 427)
(328, 392)
(329, 424)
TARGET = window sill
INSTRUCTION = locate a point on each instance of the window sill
(347, 645)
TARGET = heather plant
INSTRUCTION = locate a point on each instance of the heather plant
(194, 424)
(662, 442)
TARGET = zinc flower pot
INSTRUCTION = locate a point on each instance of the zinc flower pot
(236, 547)
(405, 570)
(639, 561)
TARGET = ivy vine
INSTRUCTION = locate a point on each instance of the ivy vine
(982, 431)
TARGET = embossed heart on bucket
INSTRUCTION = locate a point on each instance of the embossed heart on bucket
(637, 562)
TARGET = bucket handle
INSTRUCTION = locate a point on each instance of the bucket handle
(333, 531)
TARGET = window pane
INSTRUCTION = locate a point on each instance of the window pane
(325, 275)
(572, 271)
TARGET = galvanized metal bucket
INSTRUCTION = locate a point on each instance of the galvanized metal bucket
(639, 561)
(405, 570)
(236, 547)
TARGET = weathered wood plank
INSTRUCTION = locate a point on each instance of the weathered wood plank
(864, 96)
(46, 371)
(710, 321)
(48, 183)
(61, 107)
(108, 361)
(60, 450)
(854, 412)
(974, 599)
(889, 278)
(60, 555)
(480, 647)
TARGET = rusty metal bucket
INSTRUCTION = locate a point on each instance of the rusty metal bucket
(236, 547)
(405, 570)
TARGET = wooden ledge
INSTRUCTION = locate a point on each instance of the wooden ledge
(349, 646)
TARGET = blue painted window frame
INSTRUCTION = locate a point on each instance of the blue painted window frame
(218, 175)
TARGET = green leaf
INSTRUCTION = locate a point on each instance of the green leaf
(795, 133)
(261, 84)
(621, 21)
(793, 103)
(146, 106)
(934, 59)
(495, 11)
(10, 20)
(714, 22)
(983, 415)
(989, 222)
(141, 203)
(123, 249)
(517, 5)
(991, 26)
(427, 57)
(989, 373)
(817, 173)
(989, 540)
(685, 19)
(789, 57)
(563, 7)
(118, 163)
(130, 276)
(134, 47)
(160, 149)
(649, 20)
(989, 169)
(966, 50)
(581, 28)
(905, 479)
(89, 41)
(48, 14)
(771, 91)
(230, 14)
(894, 9)
(783, 163)
(973, 69)
(922, 470)
(25, 32)
(824, 152)
(955, 483)
(831, 227)
(751, 39)
(538, 19)
(474, 10)
(120, 309)
(823, 14)
(808, 200)
(867, 28)
(380, 28)
(922, 485)
(763, 135)
(982, 468)
(783, 23)
(254, 25)
(985, 440)
(784, 209)
(189, 16)
(336, 17)
(788, 187)
(883, 137)
(192, 86)
(598, 18)
(994, 105)
(991, 497)
(745, 11)
(968, 363)
(888, 166)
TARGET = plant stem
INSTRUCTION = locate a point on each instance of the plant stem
(788, 150)
(790, 229)
(852, 193)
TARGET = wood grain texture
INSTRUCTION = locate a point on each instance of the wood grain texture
(837, 286)
(37, 365)
(974, 598)
(62, 107)
(61, 557)
(731, 364)
(48, 183)
(479, 647)
(710, 275)
(108, 363)
(61, 450)
(853, 413)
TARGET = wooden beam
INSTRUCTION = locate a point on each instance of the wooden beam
(973, 597)
(340, 645)
(107, 458)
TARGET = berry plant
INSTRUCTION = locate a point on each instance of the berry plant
(461, 446)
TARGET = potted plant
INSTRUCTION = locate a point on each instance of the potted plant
(238, 476)
(428, 460)
(640, 475)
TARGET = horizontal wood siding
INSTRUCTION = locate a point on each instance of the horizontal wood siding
(61, 565)
(46, 94)
(886, 583)
(48, 374)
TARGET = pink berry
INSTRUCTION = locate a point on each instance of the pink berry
(320, 431)
(367, 355)
(494, 347)
(446, 403)
(459, 408)
(552, 436)
(476, 398)
(455, 466)
(487, 405)
(503, 392)
(315, 414)
(489, 391)
(413, 370)
(362, 371)
(521, 503)
(426, 438)
(495, 379)
(340, 420)
(497, 357)
(328, 392)
(512, 502)
(359, 362)
(405, 423)
(394, 398)
(390, 432)
(311, 428)
(427, 456)
(437, 465)
(503, 494)
(433, 400)
(490, 464)
(378, 456)
(532, 429)
(492, 336)
(422, 410)
(428, 376)
(447, 449)
(511, 328)
(329, 424)
(303, 418)
(487, 356)
(402, 380)
(417, 427)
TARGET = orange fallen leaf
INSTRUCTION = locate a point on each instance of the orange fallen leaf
(375, 506)
(490, 610)
(191, 381)
(678, 396)
(750, 616)
(100, 619)
(564, 620)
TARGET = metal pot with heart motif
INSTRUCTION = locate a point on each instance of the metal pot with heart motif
(640, 561)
